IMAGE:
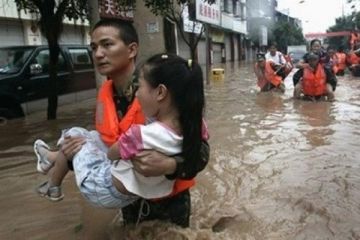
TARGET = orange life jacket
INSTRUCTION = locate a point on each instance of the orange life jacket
(111, 127)
(353, 59)
(261, 82)
(107, 121)
(314, 84)
(341, 61)
(334, 63)
(269, 75)
(289, 65)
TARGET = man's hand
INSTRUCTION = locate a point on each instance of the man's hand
(71, 146)
(151, 163)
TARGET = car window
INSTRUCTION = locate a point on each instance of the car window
(80, 58)
(13, 59)
(42, 58)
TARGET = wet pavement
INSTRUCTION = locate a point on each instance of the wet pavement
(280, 169)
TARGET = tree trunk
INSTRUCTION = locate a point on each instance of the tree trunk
(193, 47)
(54, 51)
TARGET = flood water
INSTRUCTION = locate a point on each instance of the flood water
(280, 169)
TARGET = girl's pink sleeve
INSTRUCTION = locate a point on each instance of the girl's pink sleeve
(204, 131)
(130, 143)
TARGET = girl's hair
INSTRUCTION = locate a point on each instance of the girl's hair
(184, 81)
(314, 41)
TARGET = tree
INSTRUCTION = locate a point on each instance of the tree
(345, 23)
(172, 10)
(51, 15)
(285, 33)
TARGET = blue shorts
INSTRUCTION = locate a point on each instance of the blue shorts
(93, 175)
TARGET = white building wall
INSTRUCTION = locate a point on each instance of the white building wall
(11, 32)
(20, 28)
(184, 50)
(236, 48)
(202, 52)
(227, 47)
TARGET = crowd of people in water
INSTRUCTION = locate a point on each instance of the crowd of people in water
(151, 141)
(317, 71)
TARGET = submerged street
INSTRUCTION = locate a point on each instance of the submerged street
(279, 169)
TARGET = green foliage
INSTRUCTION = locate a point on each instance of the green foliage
(69, 8)
(346, 23)
(284, 33)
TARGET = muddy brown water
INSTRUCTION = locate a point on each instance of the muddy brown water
(279, 169)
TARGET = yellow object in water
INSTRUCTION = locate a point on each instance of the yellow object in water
(217, 74)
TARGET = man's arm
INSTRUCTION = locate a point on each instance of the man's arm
(114, 152)
(331, 78)
(153, 163)
(190, 170)
(297, 76)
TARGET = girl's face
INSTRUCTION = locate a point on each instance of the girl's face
(148, 97)
(316, 47)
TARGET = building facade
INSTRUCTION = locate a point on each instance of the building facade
(228, 30)
(18, 28)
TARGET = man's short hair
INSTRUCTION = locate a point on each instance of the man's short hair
(260, 57)
(127, 32)
(273, 44)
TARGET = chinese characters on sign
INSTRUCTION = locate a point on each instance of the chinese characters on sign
(208, 13)
(110, 9)
(190, 26)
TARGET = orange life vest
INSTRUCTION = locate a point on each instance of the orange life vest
(107, 121)
(314, 84)
(269, 75)
(334, 63)
(111, 127)
(261, 82)
(341, 61)
(353, 59)
(289, 65)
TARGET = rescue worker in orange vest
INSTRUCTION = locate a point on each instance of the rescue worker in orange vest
(279, 59)
(268, 78)
(353, 62)
(114, 46)
(341, 62)
(333, 61)
(314, 81)
(354, 39)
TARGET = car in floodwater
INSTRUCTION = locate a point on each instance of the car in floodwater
(24, 77)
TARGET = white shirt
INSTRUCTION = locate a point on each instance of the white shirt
(278, 58)
(154, 136)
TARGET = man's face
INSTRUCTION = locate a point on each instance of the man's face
(313, 62)
(261, 63)
(272, 50)
(111, 55)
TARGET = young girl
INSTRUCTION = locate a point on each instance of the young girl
(171, 94)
